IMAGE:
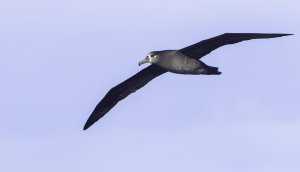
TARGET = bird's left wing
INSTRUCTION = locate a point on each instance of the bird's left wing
(121, 91)
(204, 47)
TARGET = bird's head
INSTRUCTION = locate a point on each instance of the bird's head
(150, 58)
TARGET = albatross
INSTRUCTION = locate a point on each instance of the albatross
(182, 61)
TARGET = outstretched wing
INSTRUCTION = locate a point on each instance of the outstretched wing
(204, 47)
(121, 91)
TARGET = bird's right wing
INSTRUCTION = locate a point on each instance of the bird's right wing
(204, 47)
(121, 91)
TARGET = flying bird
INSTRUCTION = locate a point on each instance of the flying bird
(182, 61)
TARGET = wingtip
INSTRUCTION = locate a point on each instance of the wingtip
(86, 125)
(279, 34)
(84, 128)
(287, 34)
(274, 35)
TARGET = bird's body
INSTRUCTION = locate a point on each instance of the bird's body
(176, 62)
(182, 61)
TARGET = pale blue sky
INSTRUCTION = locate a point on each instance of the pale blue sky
(60, 57)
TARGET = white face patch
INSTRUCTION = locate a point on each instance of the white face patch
(150, 58)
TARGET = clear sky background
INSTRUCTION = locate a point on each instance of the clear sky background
(60, 57)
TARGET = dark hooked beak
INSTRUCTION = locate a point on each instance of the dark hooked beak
(143, 61)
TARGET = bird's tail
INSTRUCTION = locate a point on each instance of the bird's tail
(210, 70)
